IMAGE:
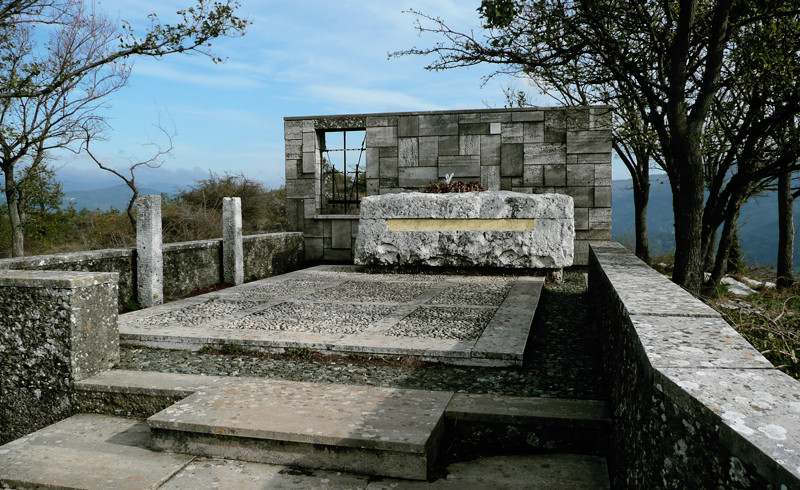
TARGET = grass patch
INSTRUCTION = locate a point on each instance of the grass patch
(770, 321)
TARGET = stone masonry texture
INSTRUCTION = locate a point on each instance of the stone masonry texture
(149, 257)
(55, 328)
(529, 150)
(693, 404)
(547, 246)
(232, 258)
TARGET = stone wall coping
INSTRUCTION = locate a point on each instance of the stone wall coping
(453, 111)
(207, 243)
(83, 256)
(706, 367)
(87, 255)
(353, 217)
(55, 279)
(279, 234)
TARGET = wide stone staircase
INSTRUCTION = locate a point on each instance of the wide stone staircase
(151, 429)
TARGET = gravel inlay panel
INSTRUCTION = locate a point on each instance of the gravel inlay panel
(195, 315)
(444, 323)
(280, 289)
(309, 317)
(363, 291)
(472, 293)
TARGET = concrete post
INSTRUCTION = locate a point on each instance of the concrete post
(232, 256)
(56, 328)
(149, 258)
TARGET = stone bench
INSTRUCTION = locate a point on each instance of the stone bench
(492, 229)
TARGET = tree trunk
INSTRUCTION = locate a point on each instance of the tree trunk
(725, 242)
(14, 215)
(735, 257)
(785, 231)
(709, 245)
(641, 196)
(687, 204)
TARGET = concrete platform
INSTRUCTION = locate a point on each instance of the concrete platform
(100, 452)
(473, 320)
(359, 429)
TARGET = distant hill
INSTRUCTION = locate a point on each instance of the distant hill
(110, 197)
(758, 231)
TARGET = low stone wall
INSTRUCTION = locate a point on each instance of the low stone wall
(119, 260)
(55, 328)
(483, 229)
(188, 266)
(693, 404)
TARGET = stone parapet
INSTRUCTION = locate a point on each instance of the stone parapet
(55, 328)
(694, 405)
(484, 229)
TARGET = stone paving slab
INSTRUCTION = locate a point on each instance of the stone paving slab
(363, 429)
(552, 471)
(88, 451)
(231, 474)
(345, 415)
(335, 308)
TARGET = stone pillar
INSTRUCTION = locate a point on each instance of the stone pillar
(149, 258)
(232, 256)
(55, 328)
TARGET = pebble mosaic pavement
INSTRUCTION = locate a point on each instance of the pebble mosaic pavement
(340, 308)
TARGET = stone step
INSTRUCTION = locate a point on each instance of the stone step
(358, 429)
(475, 423)
(100, 451)
(492, 424)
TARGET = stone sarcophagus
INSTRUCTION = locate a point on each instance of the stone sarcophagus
(492, 228)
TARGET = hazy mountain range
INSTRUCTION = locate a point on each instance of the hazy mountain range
(758, 221)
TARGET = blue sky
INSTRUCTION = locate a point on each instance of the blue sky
(298, 58)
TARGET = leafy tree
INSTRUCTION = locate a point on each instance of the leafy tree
(51, 93)
(671, 60)
(199, 24)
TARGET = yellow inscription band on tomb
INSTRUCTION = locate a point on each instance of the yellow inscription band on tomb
(425, 224)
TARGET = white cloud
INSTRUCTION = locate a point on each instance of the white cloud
(372, 100)
(171, 72)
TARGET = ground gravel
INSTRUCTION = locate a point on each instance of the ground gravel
(564, 361)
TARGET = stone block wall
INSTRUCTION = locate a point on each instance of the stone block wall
(529, 150)
(188, 266)
(694, 405)
(55, 328)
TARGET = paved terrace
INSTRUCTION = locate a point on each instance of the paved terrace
(493, 439)
(472, 320)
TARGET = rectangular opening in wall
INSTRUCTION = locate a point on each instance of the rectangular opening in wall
(344, 180)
